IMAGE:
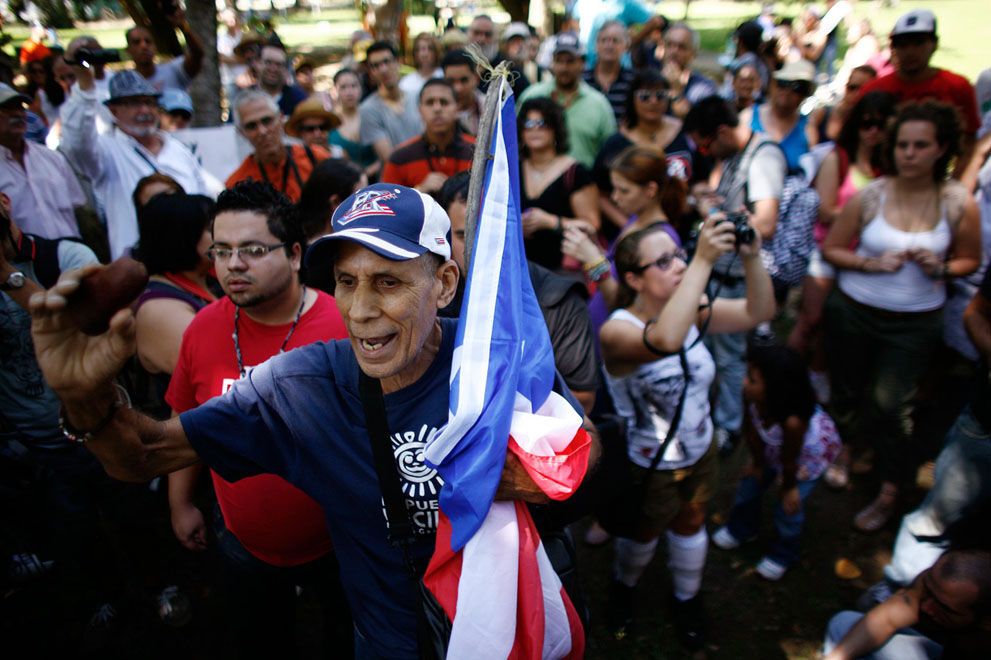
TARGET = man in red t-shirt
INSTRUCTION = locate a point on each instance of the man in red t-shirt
(426, 161)
(270, 535)
(913, 42)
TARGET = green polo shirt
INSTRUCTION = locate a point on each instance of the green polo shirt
(589, 118)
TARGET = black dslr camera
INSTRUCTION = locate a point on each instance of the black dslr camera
(93, 56)
(742, 230)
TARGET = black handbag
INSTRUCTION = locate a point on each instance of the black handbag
(433, 626)
(621, 498)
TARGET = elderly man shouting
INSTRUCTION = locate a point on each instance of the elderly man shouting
(300, 415)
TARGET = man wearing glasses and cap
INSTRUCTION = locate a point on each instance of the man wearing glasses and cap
(299, 415)
(136, 148)
(913, 42)
(587, 113)
(42, 189)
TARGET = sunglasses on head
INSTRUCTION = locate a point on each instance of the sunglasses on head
(646, 95)
(663, 262)
(797, 86)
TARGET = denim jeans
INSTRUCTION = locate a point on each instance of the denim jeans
(961, 486)
(906, 644)
(729, 350)
(744, 520)
(261, 600)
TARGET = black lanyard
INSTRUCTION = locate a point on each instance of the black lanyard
(142, 156)
(290, 162)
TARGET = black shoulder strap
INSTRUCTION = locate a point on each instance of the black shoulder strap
(373, 403)
(45, 260)
(675, 419)
(309, 154)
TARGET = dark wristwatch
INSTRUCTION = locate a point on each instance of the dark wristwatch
(14, 281)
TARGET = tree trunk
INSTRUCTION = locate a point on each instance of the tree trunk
(205, 90)
(518, 10)
(55, 14)
(388, 16)
(148, 13)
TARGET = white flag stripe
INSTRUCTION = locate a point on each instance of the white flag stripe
(557, 628)
(549, 430)
(485, 624)
(473, 367)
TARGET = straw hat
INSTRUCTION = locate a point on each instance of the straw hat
(309, 109)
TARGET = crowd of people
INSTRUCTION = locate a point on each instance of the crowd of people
(786, 257)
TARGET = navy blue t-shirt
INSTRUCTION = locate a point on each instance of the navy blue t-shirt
(299, 416)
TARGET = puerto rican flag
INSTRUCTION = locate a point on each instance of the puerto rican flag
(489, 570)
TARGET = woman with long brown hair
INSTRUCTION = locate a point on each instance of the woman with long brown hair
(646, 195)
(914, 229)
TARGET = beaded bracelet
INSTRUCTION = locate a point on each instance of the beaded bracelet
(597, 270)
(121, 400)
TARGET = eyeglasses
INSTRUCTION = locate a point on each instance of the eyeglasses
(645, 95)
(867, 123)
(245, 252)
(312, 128)
(663, 262)
(797, 86)
(532, 124)
(136, 101)
(385, 61)
(265, 121)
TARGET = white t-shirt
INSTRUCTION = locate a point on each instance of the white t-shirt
(648, 397)
(413, 82)
(170, 75)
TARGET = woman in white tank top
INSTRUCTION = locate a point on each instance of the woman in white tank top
(912, 229)
(660, 315)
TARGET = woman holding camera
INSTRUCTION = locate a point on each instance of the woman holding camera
(653, 357)
(913, 229)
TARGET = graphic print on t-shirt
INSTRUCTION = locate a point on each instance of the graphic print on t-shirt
(421, 483)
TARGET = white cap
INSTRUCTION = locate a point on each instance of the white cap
(516, 30)
(917, 21)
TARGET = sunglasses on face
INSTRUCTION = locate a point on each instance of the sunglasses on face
(533, 124)
(310, 128)
(663, 262)
(867, 123)
(797, 86)
(647, 95)
(265, 121)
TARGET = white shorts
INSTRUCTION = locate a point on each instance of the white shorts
(819, 267)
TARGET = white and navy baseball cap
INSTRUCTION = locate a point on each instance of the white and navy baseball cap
(393, 221)
(917, 21)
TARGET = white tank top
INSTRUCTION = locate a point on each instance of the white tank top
(908, 289)
(646, 399)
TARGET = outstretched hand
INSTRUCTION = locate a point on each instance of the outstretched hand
(78, 366)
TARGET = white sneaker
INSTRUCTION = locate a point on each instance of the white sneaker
(771, 570)
(723, 539)
(596, 534)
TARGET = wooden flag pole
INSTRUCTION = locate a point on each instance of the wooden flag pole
(483, 141)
